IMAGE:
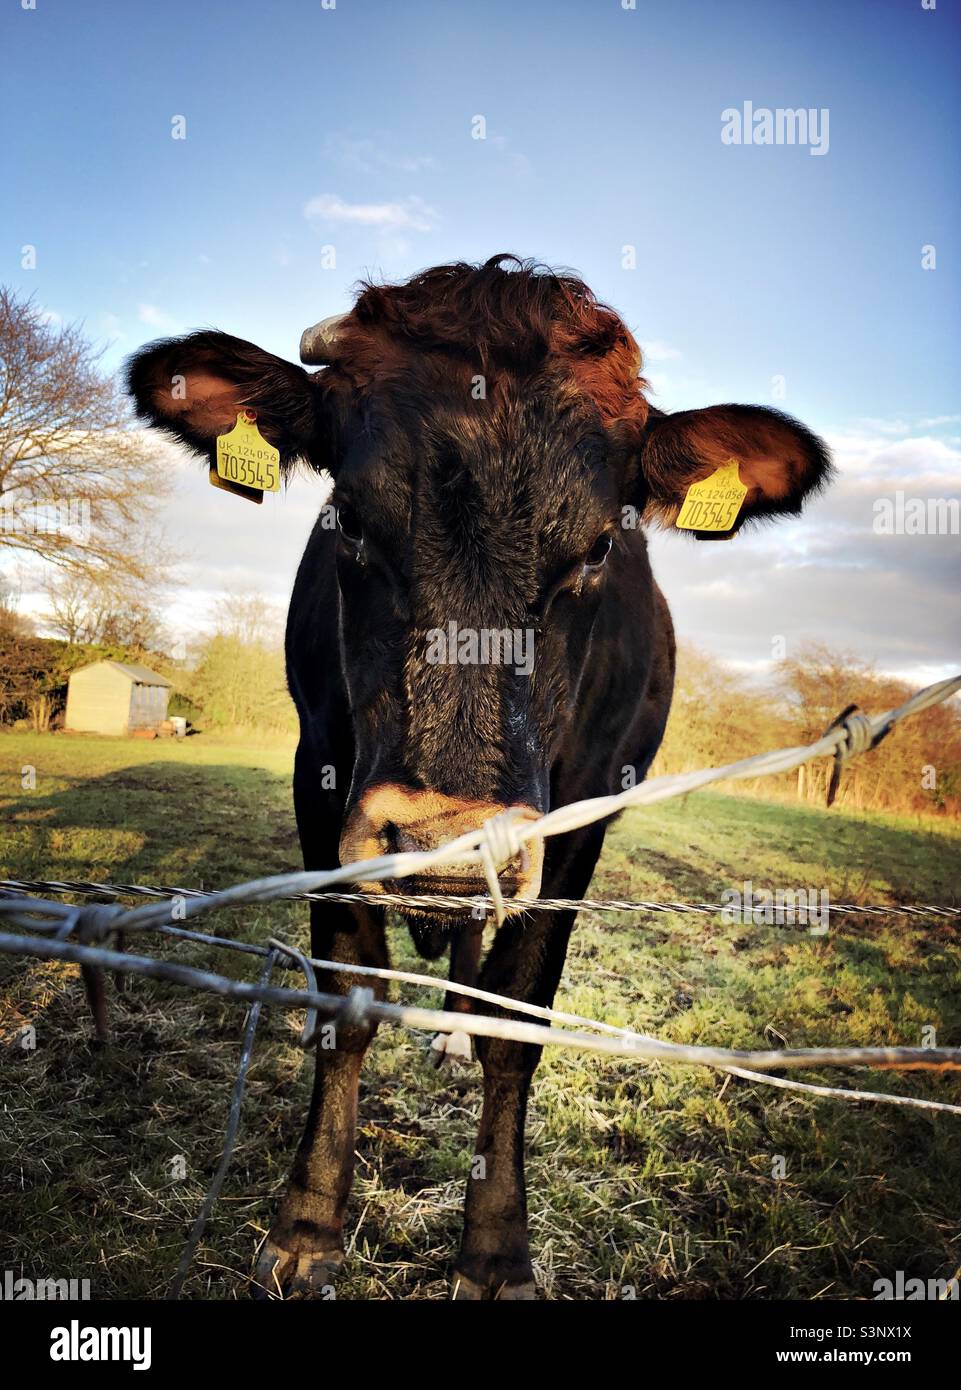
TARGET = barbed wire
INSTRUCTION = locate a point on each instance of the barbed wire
(362, 1007)
(478, 902)
(467, 991)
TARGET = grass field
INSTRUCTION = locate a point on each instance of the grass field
(657, 1178)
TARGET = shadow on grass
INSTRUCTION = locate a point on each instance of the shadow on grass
(198, 826)
(94, 1131)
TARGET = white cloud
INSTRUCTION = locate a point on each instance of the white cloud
(411, 213)
(517, 162)
(936, 421)
(882, 426)
(660, 352)
(916, 457)
(155, 318)
(718, 588)
(371, 158)
(111, 326)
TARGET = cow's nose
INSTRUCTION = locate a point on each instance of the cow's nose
(391, 819)
(400, 839)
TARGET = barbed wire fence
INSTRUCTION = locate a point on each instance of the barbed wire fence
(477, 903)
(50, 930)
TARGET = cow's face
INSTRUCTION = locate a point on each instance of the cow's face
(475, 541)
(488, 436)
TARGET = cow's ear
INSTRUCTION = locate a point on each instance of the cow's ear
(779, 460)
(194, 387)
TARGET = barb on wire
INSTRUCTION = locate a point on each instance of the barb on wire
(309, 1033)
(859, 736)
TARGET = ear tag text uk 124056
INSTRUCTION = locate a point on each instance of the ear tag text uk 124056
(246, 464)
(714, 502)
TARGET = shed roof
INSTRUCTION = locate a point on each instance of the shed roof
(136, 674)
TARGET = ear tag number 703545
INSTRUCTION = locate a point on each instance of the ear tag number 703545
(246, 463)
(714, 502)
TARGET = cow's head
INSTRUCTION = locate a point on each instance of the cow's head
(486, 427)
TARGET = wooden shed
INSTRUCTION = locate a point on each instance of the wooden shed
(112, 697)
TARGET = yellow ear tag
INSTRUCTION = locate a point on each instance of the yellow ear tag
(246, 464)
(713, 503)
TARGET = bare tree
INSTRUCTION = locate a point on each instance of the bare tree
(104, 608)
(74, 607)
(78, 484)
(251, 620)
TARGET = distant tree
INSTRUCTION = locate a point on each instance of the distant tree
(241, 686)
(79, 605)
(251, 619)
(9, 601)
(78, 484)
(26, 665)
(238, 679)
(819, 681)
(100, 608)
(915, 768)
(717, 715)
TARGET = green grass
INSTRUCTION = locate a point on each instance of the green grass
(653, 1177)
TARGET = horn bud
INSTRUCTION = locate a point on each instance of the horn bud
(318, 345)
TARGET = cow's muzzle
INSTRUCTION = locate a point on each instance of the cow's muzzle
(392, 819)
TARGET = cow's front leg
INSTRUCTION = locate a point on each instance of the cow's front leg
(495, 1260)
(525, 962)
(305, 1247)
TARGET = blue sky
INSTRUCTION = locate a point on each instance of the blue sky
(308, 127)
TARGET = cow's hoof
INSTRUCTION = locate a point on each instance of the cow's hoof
(508, 1293)
(284, 1273)
(451, 1047)
(464, 1290)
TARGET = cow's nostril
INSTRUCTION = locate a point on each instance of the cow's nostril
(405, 842)
(396, 839)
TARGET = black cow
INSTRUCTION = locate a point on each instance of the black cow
(491, 446)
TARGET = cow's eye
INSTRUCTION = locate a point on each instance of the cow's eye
(349, 525)
(598, 552)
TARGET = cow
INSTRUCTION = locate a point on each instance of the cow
(496, 460)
